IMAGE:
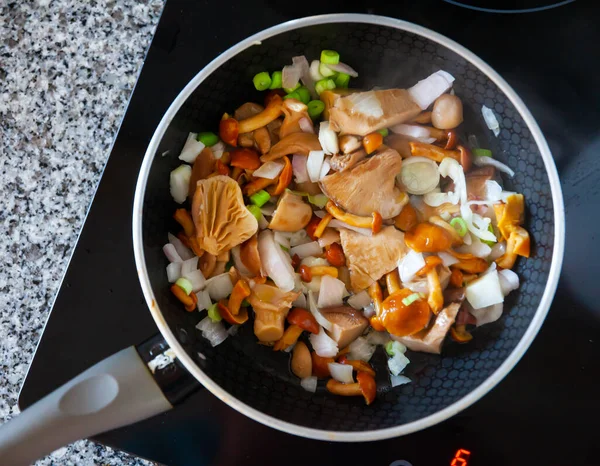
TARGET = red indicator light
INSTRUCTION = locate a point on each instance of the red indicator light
(460, 458)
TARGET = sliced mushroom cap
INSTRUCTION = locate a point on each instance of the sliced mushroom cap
(292, 213)
(271, 306)
(369, 186)
(222, 220)
(342, 162)
(370, 257)
(295, 143)
(348, 324)
(293, 111)
(430, 340)
(364, 112)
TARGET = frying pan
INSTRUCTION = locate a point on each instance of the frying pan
(251, 378)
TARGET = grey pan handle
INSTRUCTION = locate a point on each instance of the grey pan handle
(115, 392)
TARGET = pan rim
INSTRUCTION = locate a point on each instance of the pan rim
(458, 405)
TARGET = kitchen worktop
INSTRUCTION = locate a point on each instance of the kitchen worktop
(67, 69)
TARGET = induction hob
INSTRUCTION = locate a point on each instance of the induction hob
(544, 413)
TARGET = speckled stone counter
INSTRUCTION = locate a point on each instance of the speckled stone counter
(67, 69)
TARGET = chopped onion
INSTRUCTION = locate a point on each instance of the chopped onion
(331, 292)
(314, 164)
(314, 262)
(490, 120)
(219, 287)
(306, 125)
(218, 149)
(309, 384)
(312, 304)
(482, 161)
(339, 224)
(498, 250)
(191, 148)
(420, 285)
(365, 103)
(262, 222)
(369, 311)
(397, 380)
(419, 175)
(299, 168)
(314, 285)
(179, 183)
(214, 332)
(360, 300)
(299, 237)
(269, 170)
(413, 131)
(468, 238)
(324, 171)
(306, 75)
(197, 279)
(485, 291)
(282, 240)
(323, 345)
(361, 349)
(397, 363)
(171, 253)
(488, 314)
(343, 68)
(231, 331)
(495, 193)
(426, 91)
(477, 224)
(447, 259)
(306, 250)
(477, 248)
(268, 209)
(341, 372)
(275, 261)
(300, 301)
(204, 301)
(378, 338)
(290, 75)
(173, 270)
(410, 264)
(509, 281)
(184, 252)
(328, 237)
(328, 139)
(449, 168)
(315, 74)
(189, 265)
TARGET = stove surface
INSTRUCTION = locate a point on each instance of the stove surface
(543, 413)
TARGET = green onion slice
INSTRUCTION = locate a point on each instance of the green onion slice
(260, 198)
(342, 80)
(276, 80)
(482, 152)
(330, 57)
(459, 225)
(208, 138)
(185, 285)
(262, 81)
(315, 108)
(255, 210)
(213, 313)
(411, 299)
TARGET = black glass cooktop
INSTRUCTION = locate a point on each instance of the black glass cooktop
(544, 413)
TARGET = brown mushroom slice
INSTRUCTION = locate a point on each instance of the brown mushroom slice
(369, 186)
(348, 324)
(295, 143)
(292, 213)
(362, 113)
(203, 166)
(293, 111)
(309, 187)
(343, 162)
(222, 220)
(400, 144)
(370, 257)
(247, 110)
(330, 97)
(430, 340)
(250, 257)
(262, 140)
(271, 306)
(349, 143)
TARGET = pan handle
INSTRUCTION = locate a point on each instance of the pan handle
(117, 391)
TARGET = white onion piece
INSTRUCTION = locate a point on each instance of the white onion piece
(231, 331)
(485, 291)
(314, 262)
(509, 281)
(179, 183)
(495, 193)
(378, 338)
(218, 149)
(290, 75)
(335, 223)
(331, 292)
(427, 140)
(214, 332)
(204, 301)
(306, 250)
(328, 139)
(314, 285)
(447, 259)
(449, 168)
(306, 77)
(191, 149)
(477, 248)
(477, 224)
(426, 91)
(468, 238)
(189, 265)
(359, 300)
(397, 363)
(309, 384)
(314, 164)
(306, 125)
(323, 345)
(172, 253)
(300, 301)
(488, 314)
(482, 161)
(268, 209)
(315, 74)
(369, 311)
(281, 239)
(397, 380)
(341, 372)
(299, 237)
(184, 252)
(413, 131)
(419, 175)
(219, 287)
(269, 170)
(343, 68)
(299, 168)
(324, 169)
(498, 250)
(197, 280)
(410, 264)
(173, 271)
(361, 349)
(275, 261)
(263, 224)
(329, 237)
(365, 103)
(312, 305)
(490, 120)
(419, 285)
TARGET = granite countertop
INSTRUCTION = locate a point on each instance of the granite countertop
(67, 69)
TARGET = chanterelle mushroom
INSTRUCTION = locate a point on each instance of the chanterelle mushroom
(364, 112)
(369, 186)
(293, 111)
(295, 143)
(292, 213)
(370, 257)
(221, 218)
(271, 306)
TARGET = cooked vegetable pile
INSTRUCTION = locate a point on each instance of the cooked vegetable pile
(336, 220)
